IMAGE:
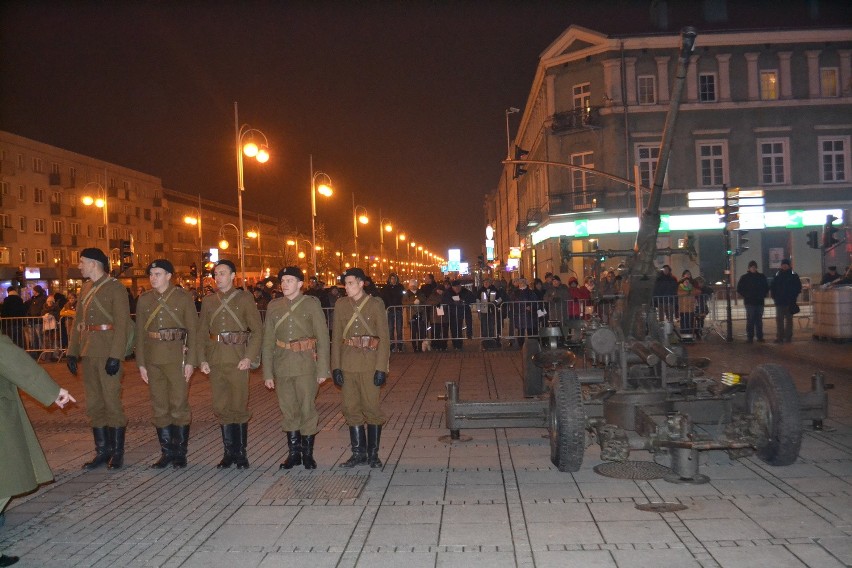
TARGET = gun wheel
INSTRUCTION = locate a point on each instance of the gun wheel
(772, 399)
(533, 374)
(567, 422)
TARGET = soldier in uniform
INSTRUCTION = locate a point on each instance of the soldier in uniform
(166, 347)
(295, 356)
(229, 341)
(360, 355)
(98, 342)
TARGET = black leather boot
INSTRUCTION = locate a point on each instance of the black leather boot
(374, 436)
(240, 442)
(164, 435)
(358, 439)
(294, 450)
(8, 560)
(228, 443)
(117, 437)
(308, 452)
(180, 440)
(103, 449)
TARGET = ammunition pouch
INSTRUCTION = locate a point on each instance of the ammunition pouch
(302, 344)
(369, 342)
(168, 334)
(231, 337)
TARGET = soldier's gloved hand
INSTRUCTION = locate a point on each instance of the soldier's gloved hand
(112, 366)
(379, 378)
(71, 361)
(337, 377)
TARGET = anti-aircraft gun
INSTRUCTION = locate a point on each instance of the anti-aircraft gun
(635, 390)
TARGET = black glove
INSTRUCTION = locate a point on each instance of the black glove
(112, 367)
(71, 361)
(379, 378)
(337, 377)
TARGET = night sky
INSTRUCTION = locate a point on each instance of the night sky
(402, 103)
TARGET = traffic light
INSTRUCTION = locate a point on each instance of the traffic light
(828, 230)
(193, 271)
(126, 248)
(19, 277)
(520, 169)
(813, 239)
(742, 242)
(732, 209)
(206, 263)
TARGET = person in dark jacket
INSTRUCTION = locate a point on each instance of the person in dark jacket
(830, 276)
(524, 314)
(785, 288)
(753, 288)
(490, 300)
(392, 296)
(13, 307)
(459, 300)
(665, 293)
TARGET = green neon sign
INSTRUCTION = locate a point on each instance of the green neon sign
(664, 224)
(581, 228)
(795, 220)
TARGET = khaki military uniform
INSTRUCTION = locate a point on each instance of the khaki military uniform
(290, 329)
(359, 364)
(166, 340)
(100, 332)
(221, 343)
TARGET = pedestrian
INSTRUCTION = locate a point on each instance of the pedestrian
(296, 362)
(525, 312)
(703, 293)
(230, 335)
(559, 299)
(489, 300)
(13, 313)
(458, 300)
(23, 466)
(785, 289)
(665, 293)
(167, 354)
(99, 341)
(440, 320)
(830, 276)
(753, 287)
(35, 309)
(415, 299)
(686, 292)
(392, 297)
(360, 357)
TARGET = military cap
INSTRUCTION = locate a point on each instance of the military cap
(292, 271)
(96, 254)
(161, 263)
(229, 264)
(356, 272)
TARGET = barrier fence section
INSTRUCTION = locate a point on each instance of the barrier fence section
(45, 337)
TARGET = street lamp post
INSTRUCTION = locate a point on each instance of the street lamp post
(101, 203)
(254, 233)
(363, 219)
(324, 189)
(223, 243)
(510, 110)
(261, 154)
(385, 225)
(190, 220)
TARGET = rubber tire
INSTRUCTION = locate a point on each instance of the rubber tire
(533, 374)
(771, 394)
(567, 419)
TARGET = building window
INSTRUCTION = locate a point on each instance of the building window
(40, 255)
(834, 159)
(38, 166)
(712, 163)
(38, 195)
(647, 86)
(57, 227)
(54, 168)
(582, 181)
(774, 160)
(769, 85)
(22, 254)
(707, 87)
(21, 161)
(828, 83)
(116, 234)
(646, 158)
(75, 229)
(5, 187)
(22, 224)
(57, 256)
(583, 96)
(38, 226)
(22, 193)
(56, 197)
(5, 221)
(75, 256)
(72, 173)
(101, 232)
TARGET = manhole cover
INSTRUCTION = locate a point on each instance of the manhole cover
(632, 470)
(326, 485)
(663, 507)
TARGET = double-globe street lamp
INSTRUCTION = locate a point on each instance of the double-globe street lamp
(385, 226)
(252, 150)
(324, 189)
(196, 221)
(101, 202)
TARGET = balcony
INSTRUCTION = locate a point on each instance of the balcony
(8, 235)
(574, 202)
(55, 209)
(158, 224)
(578, 119)
(54, 178)
(158, 202)
(8, 202)
(532, 220)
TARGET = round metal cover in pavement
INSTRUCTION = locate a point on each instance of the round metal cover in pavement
(632, 470)
(661, 507)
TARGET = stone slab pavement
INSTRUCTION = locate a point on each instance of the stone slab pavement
(493, 500)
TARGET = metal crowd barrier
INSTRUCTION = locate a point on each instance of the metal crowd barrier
(46, 338)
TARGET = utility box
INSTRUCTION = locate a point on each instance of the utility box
(832, 312)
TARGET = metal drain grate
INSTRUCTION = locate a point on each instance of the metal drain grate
(326, 485)
(661, 507)
(632, 470)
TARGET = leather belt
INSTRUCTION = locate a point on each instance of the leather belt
(168, 334)
(102, 327)
(231, 337)
(304, 344)
(370, 342)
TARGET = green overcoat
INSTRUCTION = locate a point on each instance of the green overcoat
(22, 463)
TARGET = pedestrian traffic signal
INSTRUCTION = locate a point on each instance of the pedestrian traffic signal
(742, 242)
(193, 271)
(813, 239)
(206, 263)
(520, 169)
(19, 277)
(732, 209)
(828, 231)
(126, 248)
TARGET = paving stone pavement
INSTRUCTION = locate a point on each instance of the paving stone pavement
(494, 500)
